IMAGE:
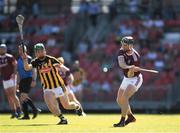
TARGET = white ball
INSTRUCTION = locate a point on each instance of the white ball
(105, 69)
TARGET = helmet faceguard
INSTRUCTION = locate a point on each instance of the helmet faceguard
(127, 40)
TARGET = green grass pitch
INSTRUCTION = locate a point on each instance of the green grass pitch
(92, 123)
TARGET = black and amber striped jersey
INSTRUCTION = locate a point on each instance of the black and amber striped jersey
(48, 73)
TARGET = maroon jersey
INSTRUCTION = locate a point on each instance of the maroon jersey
(133, 59)
(6, 66)
(64, 75)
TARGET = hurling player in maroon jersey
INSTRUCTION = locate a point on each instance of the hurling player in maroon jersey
(8, 65)
(129, 62)
(68, 78)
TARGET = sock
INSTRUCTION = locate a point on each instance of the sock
(31, 104)
(18, 110)
(61, 116)
(25, 109)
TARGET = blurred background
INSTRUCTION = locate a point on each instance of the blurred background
(89, 31)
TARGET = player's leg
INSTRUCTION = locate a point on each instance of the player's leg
(132, 88)
(125, 98)
(64, 99)
(72, 97)
(123, 101)
(11, 103)
(23, 99)
(12, 86)
(50, 100)
(16, 100)
(119, 100)
(52, 104)
(35, 110)
(7, 88)
(24, 87)
(129, 92)
(67, 104)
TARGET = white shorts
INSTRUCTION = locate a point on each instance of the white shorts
(9, 83)
(135, 81)
(57, 91)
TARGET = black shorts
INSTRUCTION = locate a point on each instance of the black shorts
(25, 85)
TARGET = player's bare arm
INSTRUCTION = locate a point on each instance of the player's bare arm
(123, 64)
(34, 77)
(27, 66)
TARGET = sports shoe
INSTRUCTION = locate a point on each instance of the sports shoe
(130, 119)
(36, 112)
(120, 124)
(63, 121)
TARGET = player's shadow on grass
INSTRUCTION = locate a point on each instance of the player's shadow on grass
(31, 125)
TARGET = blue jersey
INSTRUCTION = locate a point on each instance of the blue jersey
(20, 68)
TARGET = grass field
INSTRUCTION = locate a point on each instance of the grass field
(93, 123)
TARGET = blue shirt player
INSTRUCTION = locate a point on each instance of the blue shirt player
(26, 80)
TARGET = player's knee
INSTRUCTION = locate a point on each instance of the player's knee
(119, 100)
